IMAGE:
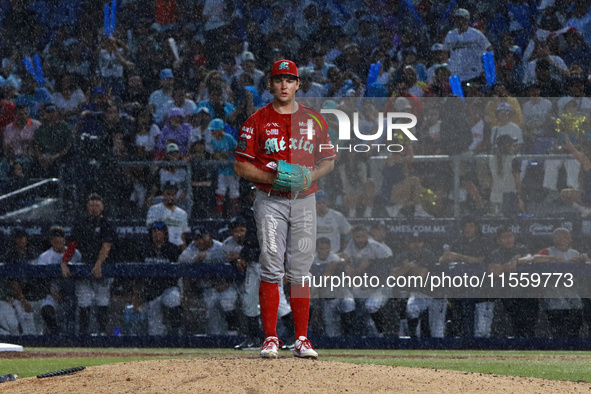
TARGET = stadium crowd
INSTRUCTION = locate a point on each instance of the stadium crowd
(176, 79)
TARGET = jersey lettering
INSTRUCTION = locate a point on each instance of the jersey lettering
(273, 145)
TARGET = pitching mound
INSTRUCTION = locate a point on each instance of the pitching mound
(250, 375)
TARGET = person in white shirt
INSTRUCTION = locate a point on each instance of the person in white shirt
(49, 307)
(362, 256)
(180, 100)
(536, 113)
(563, 307)
(505, 127)
(220, 298)
(309, 88)
(338, 306)
(465, 45)
(558, 68)
(249, 67)
(361, 253)
(330, 224)
(159, 98)
(439, 56)
(167, 212)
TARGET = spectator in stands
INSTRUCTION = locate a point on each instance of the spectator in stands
(52, 141)
(579, 198)
(337, 306)
(32, 96)
(465, 45)
(400, 191)
(439, 57)
(249, 67)
(504, 113)
(563, 306)
(469, 248)
(330, 224)
(94, 235)
(572, 166)
(180, 100)
(167, 212)
(216, 105)
(338, 84)
(18, 136)
(577, 50)
(176, 130)
(68, 97)
(552, 66)
(358, 190)
(500, 96)
(161, 297)
(135, 94)
(576, 86)
(430, 312)
(247, 100)
(549, 87)
(146, 133)
(523, 312)
(505, 195)
(159, 98)
(537, 113)
(229, 68)
(224, 145)
(439, 86)
(112, 63)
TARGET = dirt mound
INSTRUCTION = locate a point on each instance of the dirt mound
(253, 375)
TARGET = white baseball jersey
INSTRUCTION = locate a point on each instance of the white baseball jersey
(332, 226)
(373, 250)
(231, 246)
(176, 221)
(556, 298)
(215, 254)
(50, 257)
(465, 52)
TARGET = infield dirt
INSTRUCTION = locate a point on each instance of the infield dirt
(251, 375)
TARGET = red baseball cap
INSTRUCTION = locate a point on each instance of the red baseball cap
(282, 67)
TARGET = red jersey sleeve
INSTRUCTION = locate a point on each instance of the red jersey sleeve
(247, 147)
(325, 149)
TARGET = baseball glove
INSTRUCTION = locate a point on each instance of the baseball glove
(292, 177)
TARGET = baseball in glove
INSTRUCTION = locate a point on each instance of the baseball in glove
(292, 177)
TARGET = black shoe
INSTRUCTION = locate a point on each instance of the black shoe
(249, 344)
(291, 346)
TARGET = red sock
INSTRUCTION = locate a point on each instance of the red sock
(269, 300)
(219, 204)
(300, 307)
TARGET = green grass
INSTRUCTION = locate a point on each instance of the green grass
(521, 363)
(554, 370)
